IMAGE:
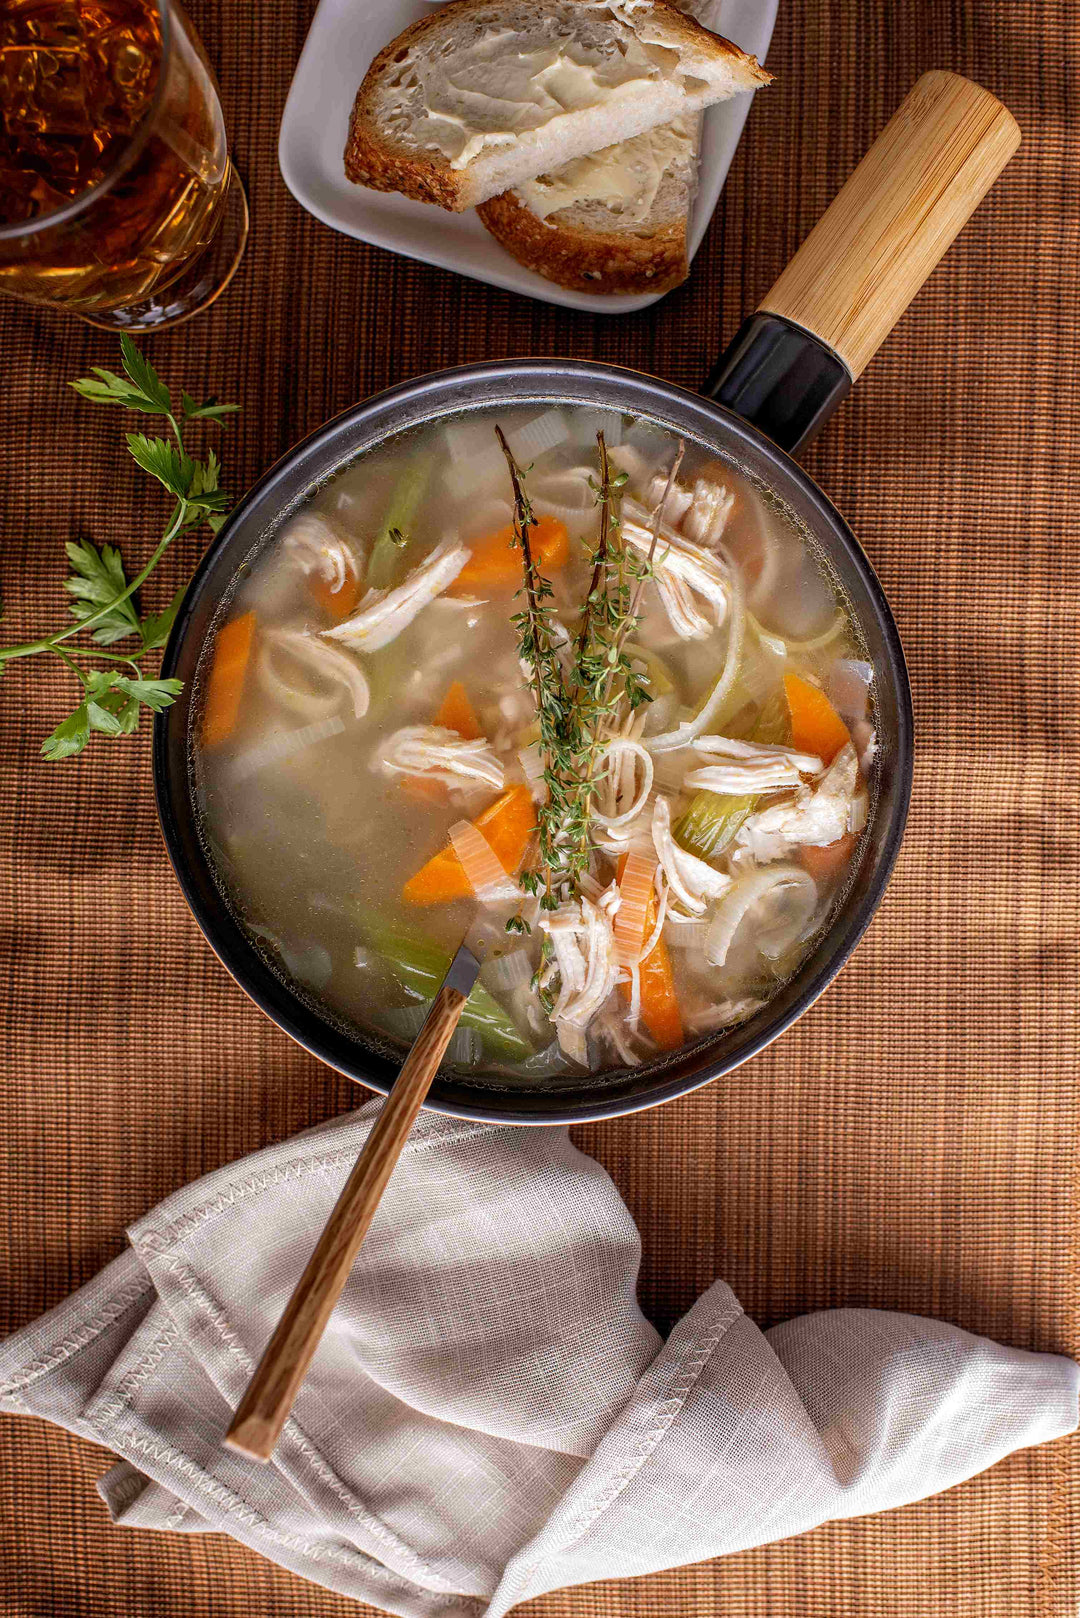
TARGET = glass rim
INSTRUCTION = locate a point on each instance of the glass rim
(77, 205)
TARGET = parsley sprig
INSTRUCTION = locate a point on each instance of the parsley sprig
(104, 601)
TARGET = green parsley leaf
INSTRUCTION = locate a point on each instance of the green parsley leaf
(155, 694)
(156, 630)
(144, 376)
(98, 578)
(102, 720)
(69, 737)
(208, 411)
(171, 466)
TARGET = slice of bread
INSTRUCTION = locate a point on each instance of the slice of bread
(615, 221)
(482, 96)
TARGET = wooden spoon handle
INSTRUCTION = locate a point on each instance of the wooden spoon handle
(907, 201)
(265, 1407)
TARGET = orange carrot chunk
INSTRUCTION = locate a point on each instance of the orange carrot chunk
(228, 672)
(495, 564)
(826, 861)
(457, 713)
(424, 789)
(336, 604)
(508, 823)
(816, 727)
(659, 1003)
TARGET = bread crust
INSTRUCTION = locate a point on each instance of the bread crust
(372, 160)
(588, 260)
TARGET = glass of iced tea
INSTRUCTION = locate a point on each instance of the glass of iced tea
(117, 197)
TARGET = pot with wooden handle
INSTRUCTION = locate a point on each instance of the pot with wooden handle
(788, 368)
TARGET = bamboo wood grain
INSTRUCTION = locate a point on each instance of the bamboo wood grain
(265, 1407)
(896, 217)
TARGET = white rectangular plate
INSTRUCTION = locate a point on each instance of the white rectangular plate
(345, 37)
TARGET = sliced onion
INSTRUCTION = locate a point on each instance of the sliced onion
(618, 748)
(714, 702)
(787, 646)
(749, 891)
(546, 1064)
(588, 422)
(310, 964)
(335, 668)
(847, 686)
(284, 744)
(536, 437)
(531, 759)
(405, 1022)
(504, 973)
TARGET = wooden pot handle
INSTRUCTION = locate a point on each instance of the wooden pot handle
(898, 214)
(265, 1407)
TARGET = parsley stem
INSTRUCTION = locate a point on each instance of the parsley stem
(74, 667)
(50, 642)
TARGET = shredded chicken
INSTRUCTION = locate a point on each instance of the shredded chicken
(440, 755)
(317, 549)
(816, 816)
(584, 962)
(683, 613)
(722, 1015)
(384, 614)
(676, 498)
(749, 766)
(684, 567)
(330, 668)
(609, 1029)
(692, 882)
(709, 511)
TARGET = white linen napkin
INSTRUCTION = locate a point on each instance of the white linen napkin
(490, 1416)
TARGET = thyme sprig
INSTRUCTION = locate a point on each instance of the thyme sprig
(103, 603)
(538, 642)
(579, 702)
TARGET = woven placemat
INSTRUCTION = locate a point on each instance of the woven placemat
(911, 1143)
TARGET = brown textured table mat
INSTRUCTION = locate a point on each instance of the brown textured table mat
(911, 1143)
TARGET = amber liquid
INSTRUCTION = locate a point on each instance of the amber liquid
(94, 108)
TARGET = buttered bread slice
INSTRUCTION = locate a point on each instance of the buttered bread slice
(614, 221)
(482, 97)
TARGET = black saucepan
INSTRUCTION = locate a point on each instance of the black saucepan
(788, 368)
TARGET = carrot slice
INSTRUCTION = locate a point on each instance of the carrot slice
(816, 727)
(225, 686)
(659, 1003)
(336, 604)
(635, 876)
(827, 860)
(424, 789)
(508, 823)
(457, 713)
(495, 564)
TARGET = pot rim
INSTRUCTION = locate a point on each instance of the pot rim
(320, 455)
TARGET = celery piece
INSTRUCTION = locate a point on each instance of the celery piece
(405, 502)
(712, 819)
(420, 967)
